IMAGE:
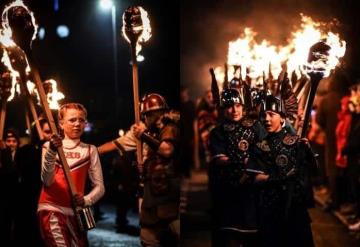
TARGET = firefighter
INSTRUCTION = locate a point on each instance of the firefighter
(159, 213)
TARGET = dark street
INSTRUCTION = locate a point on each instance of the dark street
(328, 231)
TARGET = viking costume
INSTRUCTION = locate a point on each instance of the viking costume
(233, 195)
(286, 194)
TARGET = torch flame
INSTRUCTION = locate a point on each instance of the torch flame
(146, 32)
(6, 32)
(6, 41)
(54, 96)
(256, 58)
(13, 74)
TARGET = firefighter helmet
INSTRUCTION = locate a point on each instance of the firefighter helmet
(153, 102)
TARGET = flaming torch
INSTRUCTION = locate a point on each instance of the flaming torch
(136, 30)
(323, 57)
(19, 27)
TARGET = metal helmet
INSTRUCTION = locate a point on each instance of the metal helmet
(153, 102)
(230, 97)
(235, 83)
(274, 104)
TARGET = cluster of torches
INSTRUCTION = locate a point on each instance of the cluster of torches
(259, 59)
(12, 84)
(310, 55)
(16, 74)
(20, 76)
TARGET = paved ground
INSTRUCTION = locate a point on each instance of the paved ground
(104, 235)
(328, 231)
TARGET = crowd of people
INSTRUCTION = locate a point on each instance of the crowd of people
(51, 180)
(262, 176)
(337, 115)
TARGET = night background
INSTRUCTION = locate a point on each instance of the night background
(206, 28)
(83, 62)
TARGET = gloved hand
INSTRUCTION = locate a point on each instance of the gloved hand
(55, 142)
(138, 129)
(79, 200)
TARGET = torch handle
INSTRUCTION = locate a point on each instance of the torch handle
(136, 100)
(31, 104)
(2, 117)
(27, 121)
(52, 125)
(302, 98)
(314, 82)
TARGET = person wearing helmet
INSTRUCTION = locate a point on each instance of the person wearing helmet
(283, 192)
(159, 132)
(9, 185)
(233, 196)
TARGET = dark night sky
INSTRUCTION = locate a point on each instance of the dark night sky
(208, 25)
(83, 63)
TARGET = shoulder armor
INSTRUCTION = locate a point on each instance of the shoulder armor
(248, 122)
(228, 127)
(290, 139)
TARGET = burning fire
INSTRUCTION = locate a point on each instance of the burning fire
(6, 32)
(146, 30)
(53, 95)
(256, 58)
(13, 74)
(7, 43)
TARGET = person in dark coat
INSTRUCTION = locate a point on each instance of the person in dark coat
(326, 117)
(28, 159)
(233, 197)
(9, 185)
(284, 189)
(187, 126)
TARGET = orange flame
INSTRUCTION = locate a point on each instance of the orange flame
(54, 95)
(13, 74)
(146, 33)
(262, 57)
(6, 31)
(5, 39)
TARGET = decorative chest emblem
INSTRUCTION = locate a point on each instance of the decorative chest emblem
(243, 145)
(290, 139)
(264, 146)
(281, 160)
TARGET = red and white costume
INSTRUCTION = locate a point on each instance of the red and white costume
(57, 220)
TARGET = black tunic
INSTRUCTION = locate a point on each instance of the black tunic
(233, 197)
(283, 198)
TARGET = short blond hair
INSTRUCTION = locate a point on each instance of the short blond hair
(67, 106)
